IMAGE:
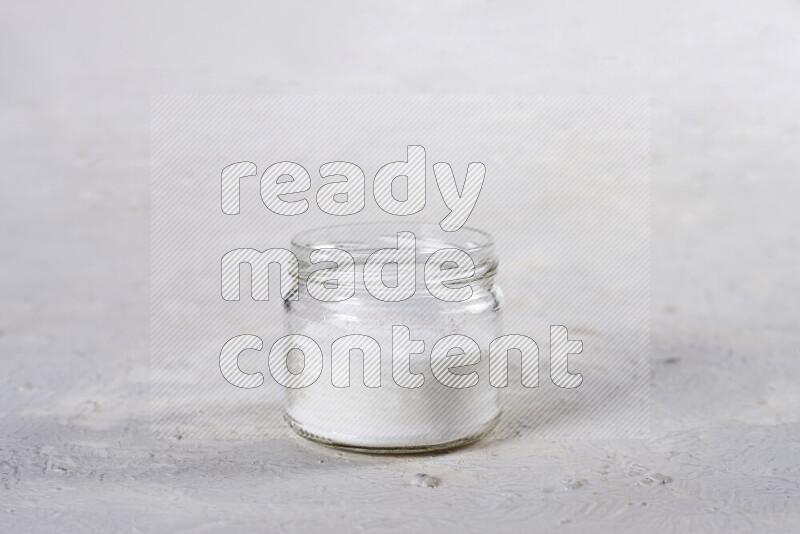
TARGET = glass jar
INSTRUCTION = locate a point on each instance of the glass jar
(390, 417)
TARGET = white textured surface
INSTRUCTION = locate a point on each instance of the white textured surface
(76, 84)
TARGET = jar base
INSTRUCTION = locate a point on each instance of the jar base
(410, 449)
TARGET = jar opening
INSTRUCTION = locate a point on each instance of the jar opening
(362, 239)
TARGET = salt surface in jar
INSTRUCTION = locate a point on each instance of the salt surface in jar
(391, 417)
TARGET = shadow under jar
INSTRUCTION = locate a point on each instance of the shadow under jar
(391, 418)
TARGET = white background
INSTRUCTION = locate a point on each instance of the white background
(76, 80)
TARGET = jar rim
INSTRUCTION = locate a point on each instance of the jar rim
(367, 237)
